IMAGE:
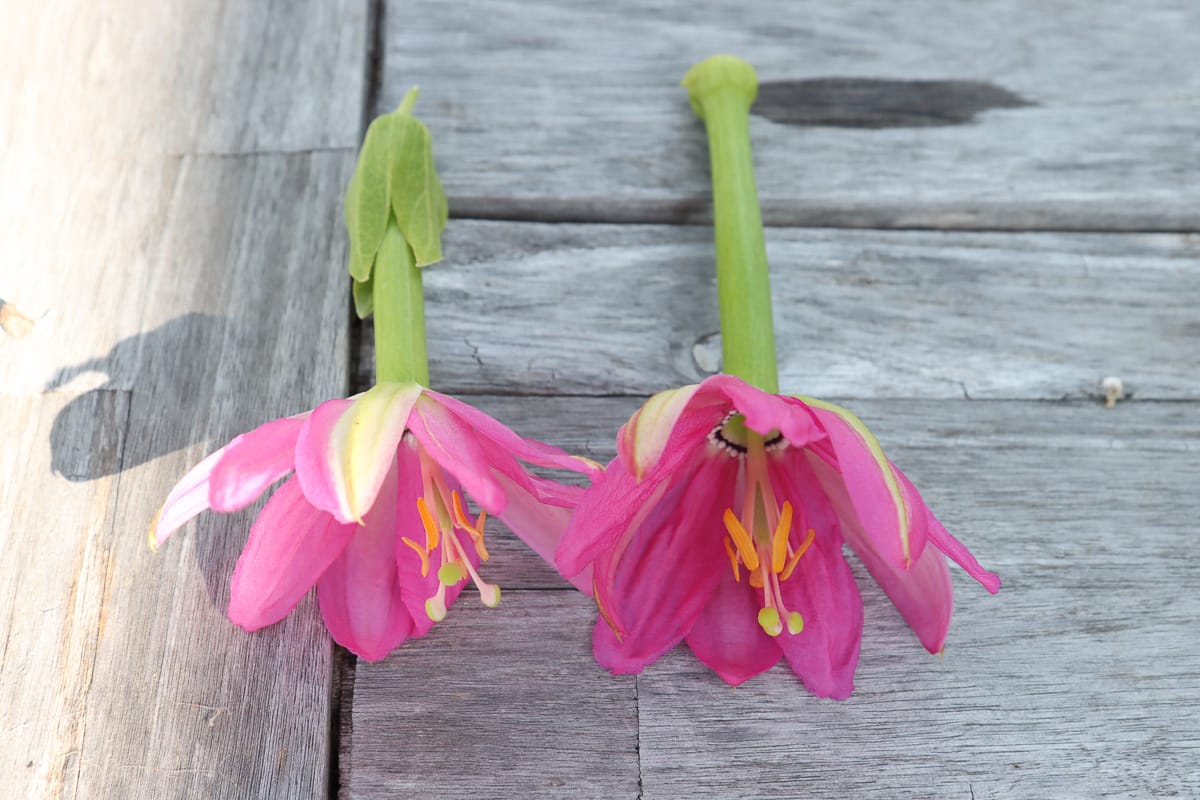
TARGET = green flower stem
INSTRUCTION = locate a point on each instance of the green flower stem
(399, 312)
(722, 89)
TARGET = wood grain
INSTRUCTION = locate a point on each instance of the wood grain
(536, 116)
(56, 535)
(180, 702)
(501, 702)
(1078, 680)
(97, 104)
(605, 309)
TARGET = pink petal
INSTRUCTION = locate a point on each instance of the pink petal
(252, 462)
(653, 586)
(529, 450)
(312, 459)
(727, 636)
(454, 445)
(958, 553)
(360, 594)
(642, 440)
(538, 525)
(765, 412)
(923, 594)
(942, 540)
(291, 544)
(347, 447)
(863, 473)
(187, 499)
(824, 654)
(613, 505)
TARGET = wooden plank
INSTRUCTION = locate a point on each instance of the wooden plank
(572, 111)
(202, 708)
(603, 309)
(501, 702)
(195, 77)
(95, 102)
(1079, 680)
(56, 534)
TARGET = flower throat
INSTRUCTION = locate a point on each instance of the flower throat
(759, 538)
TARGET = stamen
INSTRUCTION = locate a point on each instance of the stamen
(733, 559)
(791, 565)
(745, 545)
(420, 551)
(431, 530)
(768, 620)
(435, 607)
(780, 540)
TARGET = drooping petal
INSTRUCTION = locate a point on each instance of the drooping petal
(454, 445)
(186, 500)
(642, 440)
(945, 543)
(612, 506)
(538, 525)
(765, 412)
(360, 593)
(291, 544)
(346, 447)
(652, 587)
(921, 593)
(727, 636)
(528, 450)
(824, 654)
(867, 478)
(252, 462)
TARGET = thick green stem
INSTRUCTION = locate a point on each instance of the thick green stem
(722, 89)
(399, 313)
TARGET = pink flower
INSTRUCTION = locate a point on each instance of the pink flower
(723, 525)
(374, 514)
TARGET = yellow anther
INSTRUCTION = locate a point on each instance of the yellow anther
(768, 620)
(745, 546)
(733, 559)
(420, 551)
(460, 516)
(431, 529)
(795, 559)
(756, 579)
(795, 622)
(450, 574)
(780, 541)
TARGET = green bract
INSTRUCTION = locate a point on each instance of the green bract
(395, 179)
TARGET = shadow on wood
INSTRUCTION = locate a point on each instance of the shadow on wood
(172, 345)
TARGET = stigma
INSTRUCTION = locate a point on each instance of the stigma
(760, 540)
(450, 533)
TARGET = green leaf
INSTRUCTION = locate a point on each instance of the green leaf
(364, 297)
(367, 205)
(417, 197)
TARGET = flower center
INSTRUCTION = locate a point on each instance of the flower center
(449, 531)
(760, 539)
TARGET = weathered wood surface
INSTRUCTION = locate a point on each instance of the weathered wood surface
(551, 110)
(170, 181)
(169, 184)
(632, 309)
(1080, 679)
(503, 702)
(97, 104)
